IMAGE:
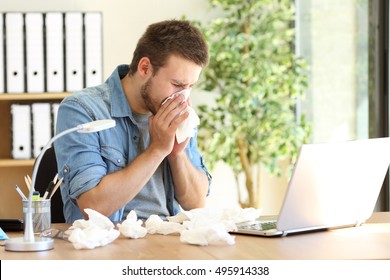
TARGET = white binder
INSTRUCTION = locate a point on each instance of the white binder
(74, 51)
(21, 131)
(54, 112)
(1, 55)
(14, 55)
(34, 52)
(54, 52)
(93, 49)
(41, 125)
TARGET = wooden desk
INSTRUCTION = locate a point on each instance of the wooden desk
(370, 241)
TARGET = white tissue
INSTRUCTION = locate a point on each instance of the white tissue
(209, 226)
(97, 231)
(131, 227)
(206, 226)
(154, 224)
(201, 226)
(187, 127)
(180, 217)
(239, 215)
(207, 235)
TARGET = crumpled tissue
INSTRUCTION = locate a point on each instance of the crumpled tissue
(131, 227)
(208, 235)
(154, 224)
(97, 231)
(203, 226)
(187, 127)
(208, 226)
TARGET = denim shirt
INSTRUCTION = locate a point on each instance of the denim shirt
(83, 159)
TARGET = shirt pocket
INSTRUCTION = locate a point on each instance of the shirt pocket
(114, 158)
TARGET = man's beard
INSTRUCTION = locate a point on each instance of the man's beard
(147, 97)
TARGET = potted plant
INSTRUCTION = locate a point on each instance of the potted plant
(256, 80)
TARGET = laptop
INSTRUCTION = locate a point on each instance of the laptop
(332, 185)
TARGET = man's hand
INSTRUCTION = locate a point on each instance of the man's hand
(178, 149)
(163, 126)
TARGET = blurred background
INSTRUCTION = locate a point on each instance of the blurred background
(344, 44)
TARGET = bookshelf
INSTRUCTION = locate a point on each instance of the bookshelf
(12, 171)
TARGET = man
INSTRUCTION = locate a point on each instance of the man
(137, 165)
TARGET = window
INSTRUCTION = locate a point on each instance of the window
(344, 43)
(333, 37)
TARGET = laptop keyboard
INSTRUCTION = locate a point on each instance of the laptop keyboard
(265, 225)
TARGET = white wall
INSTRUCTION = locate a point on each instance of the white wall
(124, 21)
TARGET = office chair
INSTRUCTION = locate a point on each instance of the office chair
(46, 172)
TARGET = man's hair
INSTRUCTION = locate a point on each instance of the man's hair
(170, 37)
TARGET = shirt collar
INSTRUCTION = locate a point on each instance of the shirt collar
(119, 104)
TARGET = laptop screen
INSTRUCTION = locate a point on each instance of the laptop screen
(335, 184)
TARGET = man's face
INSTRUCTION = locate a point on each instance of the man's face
(176, 75)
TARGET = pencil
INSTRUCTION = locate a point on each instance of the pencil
(30, 181)
(55, 178)
(56, 187)
(27, 183)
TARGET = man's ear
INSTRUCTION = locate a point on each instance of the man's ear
(145, 68)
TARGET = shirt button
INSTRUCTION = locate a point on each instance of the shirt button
(118, 160)
(135, 138)
(65, 170)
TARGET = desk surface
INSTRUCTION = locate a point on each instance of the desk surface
(369, 241)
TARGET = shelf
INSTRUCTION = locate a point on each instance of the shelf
(33, 96)
(16, 162)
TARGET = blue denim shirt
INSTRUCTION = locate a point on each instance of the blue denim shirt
(84, 159)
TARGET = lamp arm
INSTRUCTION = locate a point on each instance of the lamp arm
(28, 229)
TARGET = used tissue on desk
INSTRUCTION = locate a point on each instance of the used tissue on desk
(215, 234)
(201, 226)
(154, 224)
(207, 226)
(97, 231)
(193, 228)
(187, 127)
(227, 216)
(131, 227)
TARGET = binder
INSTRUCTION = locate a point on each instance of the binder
(21, 131)
(54, 52)
(41, 126)
(54, 112)
(74, 51)
(1, 55)
(93, 49)
(14, 54)
(34, 52)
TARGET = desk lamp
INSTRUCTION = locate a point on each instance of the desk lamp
(29, 242)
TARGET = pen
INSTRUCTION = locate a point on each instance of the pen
(50, 187)
(21, 193)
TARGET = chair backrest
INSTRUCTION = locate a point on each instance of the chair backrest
(46, 172)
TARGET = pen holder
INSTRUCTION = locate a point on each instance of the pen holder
(41, 216)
